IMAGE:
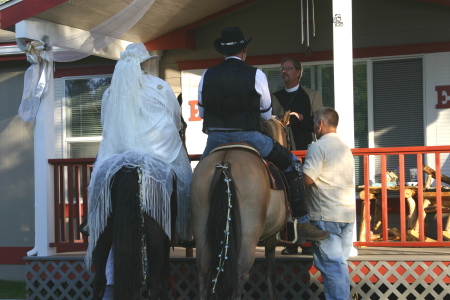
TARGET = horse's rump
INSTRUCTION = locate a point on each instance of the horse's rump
(233, 207)
(277, 179)
(155, 189)
(254, 208)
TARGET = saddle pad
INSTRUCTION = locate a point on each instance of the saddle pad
(277, 180)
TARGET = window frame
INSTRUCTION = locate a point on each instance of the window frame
(66, 141)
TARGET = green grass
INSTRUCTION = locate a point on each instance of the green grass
(12, 289)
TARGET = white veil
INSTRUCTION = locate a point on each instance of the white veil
(121, 108)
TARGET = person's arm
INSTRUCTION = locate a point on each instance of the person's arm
(104, 106)
(307, 179)
(312, 167)
(200, 89)
(262, 88)
(306, 120)
(277, 109)
(316, 102)
(172, 104)
(306, 123)
(176, 111)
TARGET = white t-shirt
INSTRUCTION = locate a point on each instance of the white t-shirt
(330, 164)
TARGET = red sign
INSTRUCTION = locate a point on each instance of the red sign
(194, 116)
(443, 92)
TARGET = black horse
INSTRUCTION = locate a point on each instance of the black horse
(140, 245)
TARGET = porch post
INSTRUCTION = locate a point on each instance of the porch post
(44, 149)
(343, 75)
(343, 68)
(44, 131)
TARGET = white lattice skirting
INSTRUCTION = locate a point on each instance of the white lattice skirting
(65, 278)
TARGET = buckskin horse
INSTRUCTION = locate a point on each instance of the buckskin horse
(137, 224)
(234, 207)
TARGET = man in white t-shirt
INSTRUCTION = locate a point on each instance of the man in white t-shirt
(329, 176)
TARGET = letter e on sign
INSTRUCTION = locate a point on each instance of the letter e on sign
(194, 116)
(443, 93)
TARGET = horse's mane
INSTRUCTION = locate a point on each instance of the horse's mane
(277, 130)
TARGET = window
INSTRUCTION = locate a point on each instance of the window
(83, 98)
(398, 84)
(7, 3)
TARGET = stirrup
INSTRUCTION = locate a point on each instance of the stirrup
(295, 231)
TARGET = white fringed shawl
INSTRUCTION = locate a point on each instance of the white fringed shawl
(141, 119)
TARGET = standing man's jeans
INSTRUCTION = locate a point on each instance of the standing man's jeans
(109, 293)
(330, 258)
(259, 141)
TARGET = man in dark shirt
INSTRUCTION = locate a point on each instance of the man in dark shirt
(302, 103)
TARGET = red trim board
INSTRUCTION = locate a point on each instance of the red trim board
(13, 255)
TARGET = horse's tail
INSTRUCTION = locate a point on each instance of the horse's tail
(223, 235)
(127, 235)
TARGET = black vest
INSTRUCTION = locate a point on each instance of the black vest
(229, 98)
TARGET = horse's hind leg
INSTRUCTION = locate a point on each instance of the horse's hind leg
(158, 251)
(99, 260)
(270, 245)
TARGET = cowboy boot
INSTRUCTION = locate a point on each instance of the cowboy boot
(298, 204)
(282, 158)
(311, 233)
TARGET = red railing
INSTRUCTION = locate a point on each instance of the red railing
(71, 178)
(413, 224)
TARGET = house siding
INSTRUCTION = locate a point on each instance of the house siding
(438, 123)
(16, 168)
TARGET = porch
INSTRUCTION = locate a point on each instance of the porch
(413, 265)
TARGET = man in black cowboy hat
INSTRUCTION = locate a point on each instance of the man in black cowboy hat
(233, 97)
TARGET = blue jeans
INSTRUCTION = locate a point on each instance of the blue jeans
(330, 258)
(261, 142)
(109, 293)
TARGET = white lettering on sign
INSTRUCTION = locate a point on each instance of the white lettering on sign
(443, 93)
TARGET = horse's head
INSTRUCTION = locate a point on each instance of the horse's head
(276, 129)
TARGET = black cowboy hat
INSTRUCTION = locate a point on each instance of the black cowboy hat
(231, 42)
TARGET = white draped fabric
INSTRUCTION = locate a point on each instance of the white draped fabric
(41, 55)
